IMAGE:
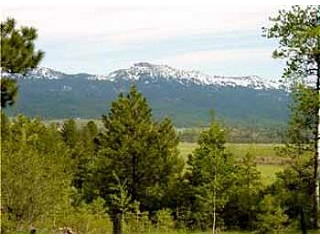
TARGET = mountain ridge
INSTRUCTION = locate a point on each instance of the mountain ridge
(142, 70)
(185, 97)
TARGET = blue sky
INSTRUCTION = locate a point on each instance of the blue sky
(219, 40)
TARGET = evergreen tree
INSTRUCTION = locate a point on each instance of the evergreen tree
(18, 55)
(299, 44)
(294, 190)
(85, 154)
(245, 197)
(139, 150)
(272, 218)
(303, 120)
(70, 133)
(295, 186)
(120, 204)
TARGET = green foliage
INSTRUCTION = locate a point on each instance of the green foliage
(294, 189)
(164, 221)
(211, 175)
(120, 200)
(272, 219)
(36, 177)
(241, 133)
(9, 91)
(139, 222)
(297, 44)
(246, 195)
(70, 133)
(86, 218)
(18, 55)
(295, 185)
(137, 149)
(303, 120)
(36, 174)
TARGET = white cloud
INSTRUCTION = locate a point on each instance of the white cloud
(124, 25)
(97, 38)
(216, 56)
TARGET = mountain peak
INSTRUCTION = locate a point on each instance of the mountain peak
(143, 64)
(145, 71)
(37, 73)
(46, 73)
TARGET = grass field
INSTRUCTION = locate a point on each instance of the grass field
(265, 155)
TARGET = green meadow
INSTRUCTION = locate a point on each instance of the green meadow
(268, 162)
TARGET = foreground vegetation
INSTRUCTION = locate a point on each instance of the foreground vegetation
(265, 155)
(129, 176)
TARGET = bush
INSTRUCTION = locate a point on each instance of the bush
(272, 218)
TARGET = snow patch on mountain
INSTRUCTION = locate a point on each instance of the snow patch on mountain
(45, 73)
(37, 73)
(143, 71)
(152, 73)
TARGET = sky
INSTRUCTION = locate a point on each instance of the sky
(98, 39)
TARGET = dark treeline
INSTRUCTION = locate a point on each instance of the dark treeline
(129, 178)
(241, 134)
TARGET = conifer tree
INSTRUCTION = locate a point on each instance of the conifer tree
(295, 185)
(18, 55)
(137, 149)
(299, 44)
(245, 197)
(70, 133)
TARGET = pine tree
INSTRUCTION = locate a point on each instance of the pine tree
(70, 133)
(138, 149)
(84, 153)
(295, 185)
(299, 44)
(245, 196)
(18, 55)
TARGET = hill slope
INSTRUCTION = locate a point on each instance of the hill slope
(186, 97)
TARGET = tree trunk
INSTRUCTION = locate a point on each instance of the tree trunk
(214, 203)
(214, 221)
(316, 173)
(134, 178)
(117, 223)
(303, 225)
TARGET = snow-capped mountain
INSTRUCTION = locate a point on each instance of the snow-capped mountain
(38, 73)
(147, 73)
(45, 73)
(185, 96)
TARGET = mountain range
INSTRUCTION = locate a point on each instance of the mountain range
(187, 97)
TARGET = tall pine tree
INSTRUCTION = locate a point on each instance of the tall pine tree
(298, 33)
(18, 55)
(140, 151)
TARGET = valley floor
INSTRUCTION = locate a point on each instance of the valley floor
(265, 155)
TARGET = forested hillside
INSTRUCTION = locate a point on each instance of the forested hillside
(188, 105)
